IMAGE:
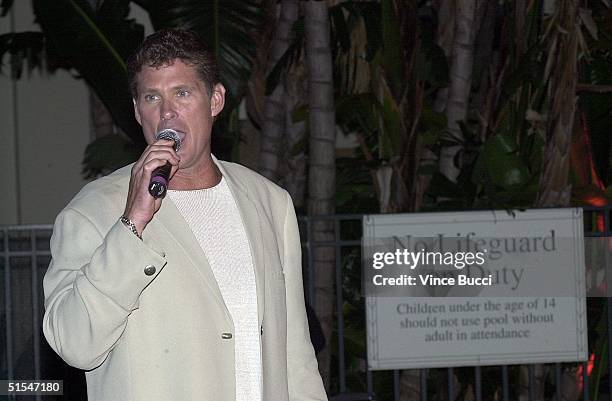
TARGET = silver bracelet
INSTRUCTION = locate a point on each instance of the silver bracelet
(130, 224)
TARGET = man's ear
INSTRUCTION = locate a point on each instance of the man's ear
(136, 112)
(217, 99)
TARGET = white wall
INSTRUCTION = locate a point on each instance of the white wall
(45, 129)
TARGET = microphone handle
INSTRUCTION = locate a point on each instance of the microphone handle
(159, 181)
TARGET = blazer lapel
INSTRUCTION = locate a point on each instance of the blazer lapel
(251, 221)
(168, 221)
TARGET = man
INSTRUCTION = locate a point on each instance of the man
(195, 297)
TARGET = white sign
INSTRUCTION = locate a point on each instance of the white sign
(529, 305)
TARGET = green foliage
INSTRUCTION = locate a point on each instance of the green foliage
(500, 163)
(90, 40)
(358, 112)
(529, 71)
(108, 153)
(598, 70)
(5, 6)
(340, 28)
(370, 12)
(432, 65)
(289, 58)
(504, 168)
(433, 124)
(599, 336)
(23, 48)
(354, 187)
(392, 65)
(76, 37)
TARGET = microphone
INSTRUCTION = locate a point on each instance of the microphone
(161, 175)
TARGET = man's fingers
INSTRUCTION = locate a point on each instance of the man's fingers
(156, 159)
(162, 155)
(162, 145)
(165, 142)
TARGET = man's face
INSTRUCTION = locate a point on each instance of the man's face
(174, 96)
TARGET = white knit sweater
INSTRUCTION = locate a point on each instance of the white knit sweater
(215, 220)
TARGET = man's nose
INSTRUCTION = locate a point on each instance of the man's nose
(167, 111)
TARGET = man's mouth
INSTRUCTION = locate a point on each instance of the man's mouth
(181, 135)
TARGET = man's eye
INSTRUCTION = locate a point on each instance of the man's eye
(182, 93)
(150, 98)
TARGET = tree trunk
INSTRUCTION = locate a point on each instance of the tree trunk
(274, 109)
(295, 151)
(255, 95)
(445, 35)
(101, 121)
(322, 165)
(554, 189)
(462, 60)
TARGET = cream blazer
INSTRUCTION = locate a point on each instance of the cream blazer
(146, 319)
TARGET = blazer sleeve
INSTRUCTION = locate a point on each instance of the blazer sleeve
(91, 287)
(303, 376)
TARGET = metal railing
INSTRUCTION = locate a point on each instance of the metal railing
(24, 257)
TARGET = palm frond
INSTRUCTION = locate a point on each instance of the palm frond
(96, 45)
(5, 7)
(22, 48)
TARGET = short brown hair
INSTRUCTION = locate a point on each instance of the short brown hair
(164, 46)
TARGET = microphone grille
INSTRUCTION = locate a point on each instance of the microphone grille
(171, 134)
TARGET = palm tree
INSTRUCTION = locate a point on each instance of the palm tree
(462, 61)
(322, 164)
(274, 107)
(554, 189)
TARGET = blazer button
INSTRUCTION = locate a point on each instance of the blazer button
(149, 270)
(226, 336)
(261, 330)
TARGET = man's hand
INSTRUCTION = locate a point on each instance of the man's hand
(141, 206)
